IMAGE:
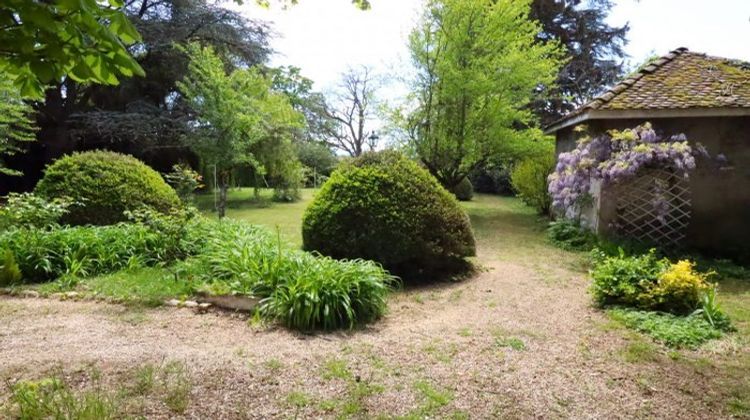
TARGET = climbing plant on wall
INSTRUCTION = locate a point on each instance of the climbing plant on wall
(613, 157)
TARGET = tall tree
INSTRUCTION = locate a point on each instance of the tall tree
(478, 65)
(143, 116)
(239, 120)
(594, 51)
(310, 103)
(352, 107)
(16, 126)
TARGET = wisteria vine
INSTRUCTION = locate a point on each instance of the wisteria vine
(615, 156)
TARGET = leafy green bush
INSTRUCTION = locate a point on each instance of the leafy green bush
(106, 184)
(464, 191)
(301, 290)
(571, 236)
(491, 178)
(622, 280)
(29, 210)
(672, 330)
(10, 273)
(529, 179)
(384, 207)
(88, 250)
(185, 181)
(647, 282)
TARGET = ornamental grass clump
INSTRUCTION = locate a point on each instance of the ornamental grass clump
(299, 289)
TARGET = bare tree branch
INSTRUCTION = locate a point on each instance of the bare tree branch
(352, 107)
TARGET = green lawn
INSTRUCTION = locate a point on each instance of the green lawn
(242, 205)
(508, 234)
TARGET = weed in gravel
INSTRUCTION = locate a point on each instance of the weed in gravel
(433, 399)
(514, 343)
(298, 399)
(144, 379)
(640, 352)
(274, 365)
(442, 352)
(455, 296)
(53, 398)
(465, 332)
(177, 387)
(336, 369)
(9, 308)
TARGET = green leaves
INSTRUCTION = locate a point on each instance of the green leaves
(478, 66)
(241, 121)
(16, 126)
(44, 42)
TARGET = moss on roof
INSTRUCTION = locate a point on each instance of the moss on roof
(679, 80)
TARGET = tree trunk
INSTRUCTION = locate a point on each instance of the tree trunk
(223, 187)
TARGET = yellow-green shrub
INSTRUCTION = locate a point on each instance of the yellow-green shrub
(648, 282)
(529, 179)
(678, 289)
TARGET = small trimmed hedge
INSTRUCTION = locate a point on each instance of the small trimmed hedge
(386, 208)
(104, 185)
(464, 191)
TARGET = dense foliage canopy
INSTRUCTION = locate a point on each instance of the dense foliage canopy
(16, 126)
(593, 51)
(45, 41)
(478, 66)
(239, 120)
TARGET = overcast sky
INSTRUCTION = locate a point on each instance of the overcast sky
(323, 37)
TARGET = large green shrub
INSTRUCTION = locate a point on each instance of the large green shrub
(386, 208)
(105, 185)
(529, 179)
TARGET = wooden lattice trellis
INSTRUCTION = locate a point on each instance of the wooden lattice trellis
(654, 207)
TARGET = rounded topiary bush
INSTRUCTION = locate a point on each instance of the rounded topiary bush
(104, 185)
(464, 191)
(386, 208)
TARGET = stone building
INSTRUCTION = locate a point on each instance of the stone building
(707, 99)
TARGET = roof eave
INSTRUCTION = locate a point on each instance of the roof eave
(602, 114)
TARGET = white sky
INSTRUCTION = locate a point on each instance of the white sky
(324, 37)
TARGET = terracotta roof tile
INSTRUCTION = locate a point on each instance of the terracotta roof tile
(679, 80)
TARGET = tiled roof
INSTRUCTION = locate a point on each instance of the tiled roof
(678, 80)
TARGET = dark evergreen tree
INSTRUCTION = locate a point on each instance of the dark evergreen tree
(594, 51)
(143, 116)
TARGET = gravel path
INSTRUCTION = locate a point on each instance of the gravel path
(519, 340)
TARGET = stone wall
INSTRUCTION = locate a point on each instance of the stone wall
(720, 222)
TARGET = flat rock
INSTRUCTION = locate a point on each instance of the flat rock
(30, 294)
(231, 302)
